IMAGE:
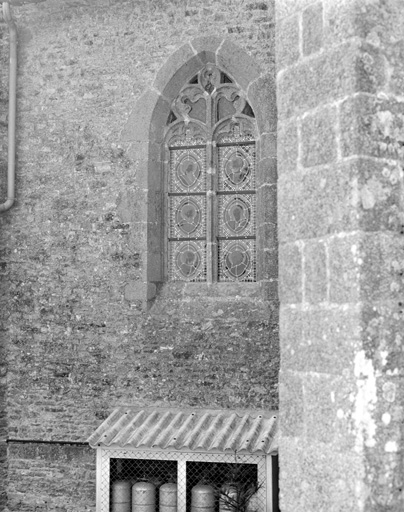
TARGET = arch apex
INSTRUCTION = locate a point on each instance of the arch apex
(209, 44)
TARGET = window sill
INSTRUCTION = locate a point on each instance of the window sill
(261, 290)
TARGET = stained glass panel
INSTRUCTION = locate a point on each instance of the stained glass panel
(237, 208)
(187, 216)
(187, 170)
(237, 260)
(236, 215)
(237, 167)
(187, 261)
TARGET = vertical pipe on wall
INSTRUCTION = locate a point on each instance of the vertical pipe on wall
(12, 103)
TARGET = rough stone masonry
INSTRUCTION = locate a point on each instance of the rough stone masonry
(76, 337)
(340, 216)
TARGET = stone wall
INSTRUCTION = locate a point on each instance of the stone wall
(78, 338)
(50, 477)
(340, 161)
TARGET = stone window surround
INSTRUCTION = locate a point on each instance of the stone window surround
(145, 130)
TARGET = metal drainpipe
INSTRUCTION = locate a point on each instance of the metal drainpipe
(12, 103)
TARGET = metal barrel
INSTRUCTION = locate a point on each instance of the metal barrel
(121, 496)
(143, 497)
(168, 498)
(203, 498)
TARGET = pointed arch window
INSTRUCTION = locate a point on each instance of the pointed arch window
(210, 169)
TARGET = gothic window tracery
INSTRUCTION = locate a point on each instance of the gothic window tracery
(211, 183)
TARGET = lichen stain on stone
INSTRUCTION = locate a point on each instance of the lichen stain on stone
(389, 128)
(355, 195)
(394, 173)
(372, 193)
(386, 418)
(389, 391)
(365, 400)
(362, 493)
(391, 447)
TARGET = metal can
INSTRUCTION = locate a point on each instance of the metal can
(203, 498)
(143, 497)
(121, 496)
(168, 498)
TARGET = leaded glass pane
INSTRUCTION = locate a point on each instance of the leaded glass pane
(237, 167)
(236, 211)
(187, 216)
(237, 215)
(237, 260)
(187, 261)
(187, 170)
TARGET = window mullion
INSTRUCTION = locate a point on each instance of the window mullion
(211, 220)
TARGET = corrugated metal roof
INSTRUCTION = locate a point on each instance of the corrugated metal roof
(188, 430)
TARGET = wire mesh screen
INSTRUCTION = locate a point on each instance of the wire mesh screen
(183, 482)
(221, 486)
